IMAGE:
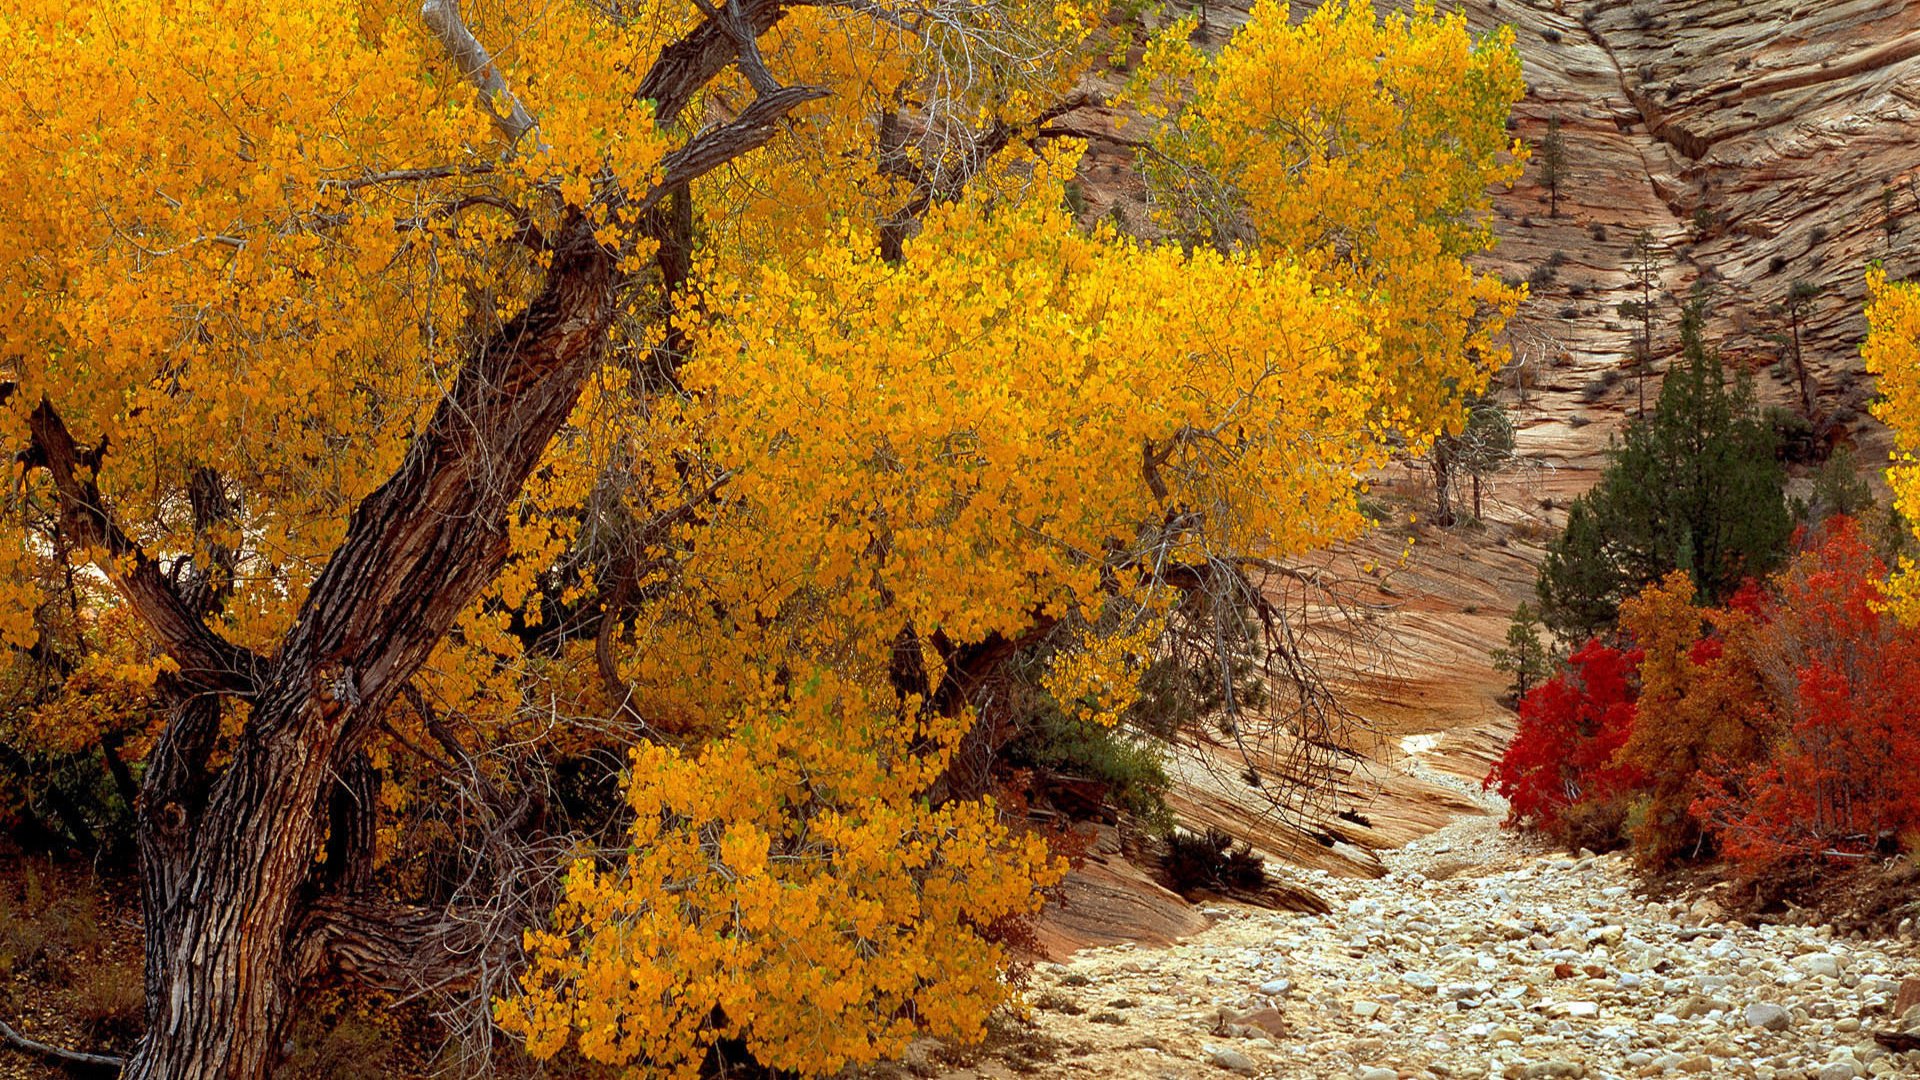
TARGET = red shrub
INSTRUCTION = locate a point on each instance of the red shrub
(1571, 726)
(1842, 775)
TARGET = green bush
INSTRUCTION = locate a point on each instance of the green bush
(1212, 861)
(1126, 766)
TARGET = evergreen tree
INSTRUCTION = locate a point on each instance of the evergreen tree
(1553, 164)
(1644, 263)
(1695, 486)
(1838, 489)
(1524, 656)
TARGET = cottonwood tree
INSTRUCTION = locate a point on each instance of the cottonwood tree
(1892, 353)
(718, 390)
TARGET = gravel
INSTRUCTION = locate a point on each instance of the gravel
(1522, 962)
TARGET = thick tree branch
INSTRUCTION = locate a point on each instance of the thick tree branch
(443, 18)
(689, 64)
(756, 126)
(207, 661)
(422, 546)
(391, 947)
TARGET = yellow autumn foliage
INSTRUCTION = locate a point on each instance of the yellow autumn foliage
(1892, 352)
(261, 239)
(1363, 146)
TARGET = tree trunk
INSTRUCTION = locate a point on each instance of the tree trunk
(1800, 372)
(231, 866)
(222, 899)
(1442, 488)
(253, 878)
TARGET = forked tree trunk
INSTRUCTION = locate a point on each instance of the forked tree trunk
(230, 864)
(222, 899)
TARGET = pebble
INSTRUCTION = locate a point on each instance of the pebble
(1232, 1060)
(1527, 964)
(1824, 965)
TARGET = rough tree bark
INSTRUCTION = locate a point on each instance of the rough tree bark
(225, 877)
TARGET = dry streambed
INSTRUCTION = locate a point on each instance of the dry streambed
(1479, 955)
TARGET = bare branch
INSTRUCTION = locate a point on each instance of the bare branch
(401, 176)
(443, 18)
(72, 1057)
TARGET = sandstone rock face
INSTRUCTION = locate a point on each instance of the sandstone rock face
(1106, 900)
(1762, 142)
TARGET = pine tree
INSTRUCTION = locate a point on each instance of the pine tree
(1553, 164)
(1643, 266)
(1525, 657)
(1695, 486)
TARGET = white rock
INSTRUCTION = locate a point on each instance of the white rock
(1232, 1060)
(1819, 965)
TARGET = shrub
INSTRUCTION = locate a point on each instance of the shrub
(47, 933)
(109, 1001)
(1702, 699)
(1127, 770)
(1563, 754)
(1840, 776)
(336, 1040)
(1212, 861)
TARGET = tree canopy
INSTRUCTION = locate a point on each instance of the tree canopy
(715, 391)
(1694, 486)
(1892, 352)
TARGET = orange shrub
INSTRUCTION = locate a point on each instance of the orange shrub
(1839, 777)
